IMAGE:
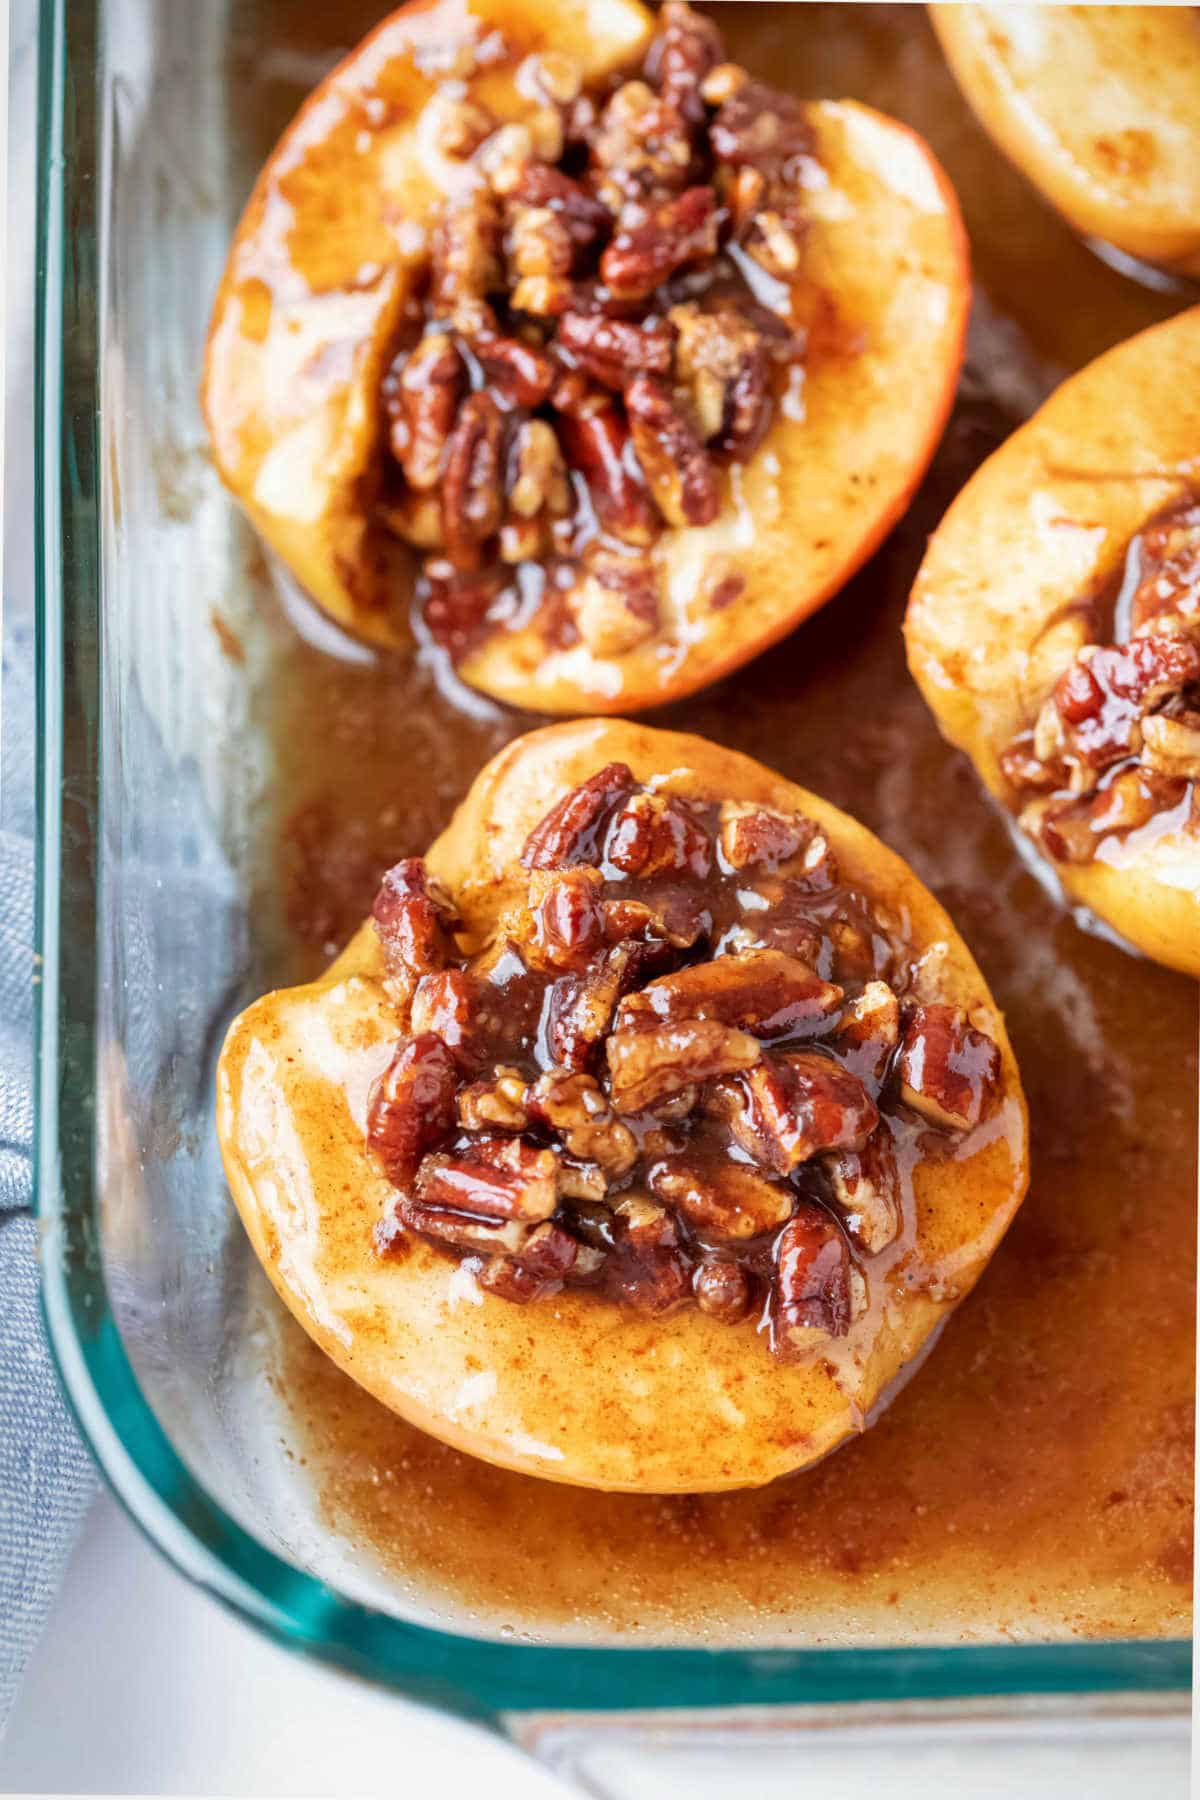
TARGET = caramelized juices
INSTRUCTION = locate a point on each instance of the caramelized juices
(1035, 1479)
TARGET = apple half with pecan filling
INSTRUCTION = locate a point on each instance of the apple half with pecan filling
(548, 329)
(1100, 107)
(648, 1131)
(1054, 629)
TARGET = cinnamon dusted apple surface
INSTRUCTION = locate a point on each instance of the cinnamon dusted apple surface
(657, 1075)
(1054, 628)
(609, 363)
(1098, 106)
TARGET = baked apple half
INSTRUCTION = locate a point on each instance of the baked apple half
(1054, 628)
(549, 329)
(648, 1131)
(1100, 107)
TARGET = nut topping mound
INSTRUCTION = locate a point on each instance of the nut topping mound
(588, 352)
(1117, 742)
(692, 1067)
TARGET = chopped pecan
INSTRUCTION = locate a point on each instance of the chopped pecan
(575, 1107)
(586, 219)
(456, 602)
(552, 75)
(568, 925)
(759, 837)
(411, 1106)
(869, 1032)
(519, 372)
(548, 1255)
(413, 921)
(649, 1065)
(680, 473)
(949, 1071)
(538, 243)
(721, 359)
(1172, 745)
(458, 125)
(1106, 690)
(795, 1106)
(493, 1178)
(570, 831)
(866, 1187)
(678, 917)
(1169, 556)
(762, 127)
(473, 488)
(653, 242)
(465, 254)
(763, 991)
(641, 147)
(417, 518)
(537, 474)
(1071, 830)
(594, 443)
(447, 1003)
(1022, 767)
(582, 1180)
(657, 834)
(812, 1299)
(421, 392)
(612, 351)
(645, 1268)
(725, 1201)
(722, 1290)
(581, 1007)
(460, 1231)
(686, 47)
(500, 1103)
(615, 604)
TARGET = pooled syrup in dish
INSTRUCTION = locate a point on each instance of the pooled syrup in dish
(1034, 1480)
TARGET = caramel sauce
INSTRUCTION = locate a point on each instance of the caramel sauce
(1035, 1479)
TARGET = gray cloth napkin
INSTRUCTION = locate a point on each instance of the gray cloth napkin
(46, 1478)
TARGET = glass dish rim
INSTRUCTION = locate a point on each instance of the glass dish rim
(478, 1678)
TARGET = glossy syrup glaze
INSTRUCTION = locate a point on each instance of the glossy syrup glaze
(1035, 1479)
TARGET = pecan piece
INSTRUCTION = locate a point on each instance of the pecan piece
(680, 472)
(612, 351)
(455, 602)
(722, 1290)
(548, 1255)
(594, 443)
(866, 1187)
(520, 373)
(1172, 746)
(726, 1201)
(540, 256)
(793, 1107)
(652, 243)
(641, 147)
(493, 1178)
(685, 48)
(473, 488)
(869, 1032)
(649, 1065)
(646, 1268)
(722, 361)
(411, 1106)
(949, 1071)
(576, 1108)
(764, 991)
(760, 126)
(568, 925)
(446, 1003)
(615, 605)
(585, 218)
(570, 831)
(811, 1297)
(421, 392)
(656, 834)
(676, 916)
(460, 1231)
(413, 921)
(582, 1006)
(537, 475)
(498, 1104)
(759, 837)
(465, 257)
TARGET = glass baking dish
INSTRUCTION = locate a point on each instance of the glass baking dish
(157, 920)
